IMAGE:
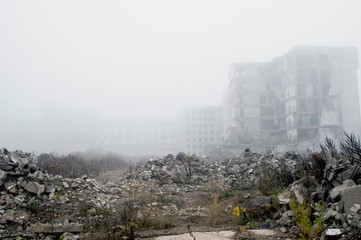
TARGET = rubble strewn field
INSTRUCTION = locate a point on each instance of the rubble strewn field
(314, 195)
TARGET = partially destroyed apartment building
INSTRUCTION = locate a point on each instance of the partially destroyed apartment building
(297, 99)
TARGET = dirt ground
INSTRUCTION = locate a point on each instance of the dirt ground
(207, 214)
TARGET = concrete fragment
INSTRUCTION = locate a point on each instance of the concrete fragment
(19, 200)
(49, 188)
(35, 187)
(57, 228)
(11, 187)
(24, 161)
(335, 192)
(299, 193)
(350, 196)
(69, 236)
(2, 176)
(333, 232)
(261, 201)
(14, 158)
(66, 185)
(355, 208)
(263, 232)
(9, 215)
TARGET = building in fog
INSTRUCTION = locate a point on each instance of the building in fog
(253, 112)
(136, 138)
(293, 101)
(298, 98)
(199, 129)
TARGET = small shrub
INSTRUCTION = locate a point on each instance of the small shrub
(329, 148)
(83, 209)
(268, 181)
(34, 207)
(303, 214)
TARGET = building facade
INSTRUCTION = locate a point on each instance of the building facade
(298, 98)
(199, 129)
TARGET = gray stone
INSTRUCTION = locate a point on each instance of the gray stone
(21, 216)
(35, 187)
(335, 192)
(8, 200)
(11, 187)
(9, 215)
(2, 220)
(181, 156)
(33, 167)
(68, 236)
(78, 180)
(24, 161)
(330, 213)
(66, 185)
(31, 187)
(355, 208)
(2, 176)
(299, 193)
(6, 167)
(19, 200)
(15, 158)
(49, 188)
(261, 201)
(16, 216)
(38, 175)
(350, 196)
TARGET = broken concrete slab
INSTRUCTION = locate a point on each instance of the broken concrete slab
(185, 236)
(2, 176)
(355, 208)
(263, 232)
(261, 201)
(57, 228)
(222, 235)
(351, 196)
(335, 192)
(35, 187)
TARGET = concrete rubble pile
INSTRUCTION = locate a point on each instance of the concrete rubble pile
(26, 189)
(34, 203)
(341, 195)
(243, 171)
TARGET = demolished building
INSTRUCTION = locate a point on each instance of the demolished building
(296, 99)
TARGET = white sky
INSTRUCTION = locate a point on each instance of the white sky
(147, 59)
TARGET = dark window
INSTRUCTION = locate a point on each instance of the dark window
(241, 112)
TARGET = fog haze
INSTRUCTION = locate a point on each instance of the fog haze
(148, 59)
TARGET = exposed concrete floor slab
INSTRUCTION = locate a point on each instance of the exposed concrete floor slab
(214, 235)
(222, 235)
(263, 232)
(185, 236)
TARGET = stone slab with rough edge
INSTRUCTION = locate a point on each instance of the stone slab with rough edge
(57, 228)
(222, 235)
(263, 232)
(350, 196)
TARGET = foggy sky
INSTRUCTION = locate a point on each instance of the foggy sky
(148, 59)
